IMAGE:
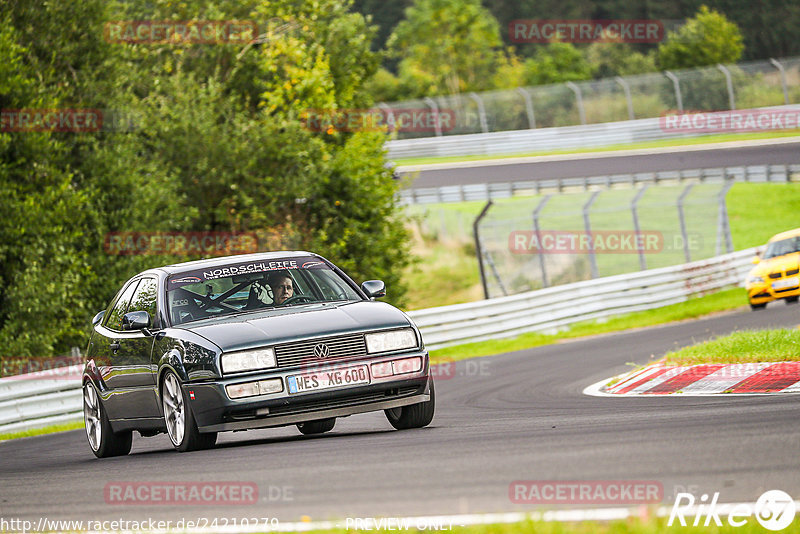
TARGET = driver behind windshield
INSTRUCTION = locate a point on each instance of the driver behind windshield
(273, 290)
(282, 288)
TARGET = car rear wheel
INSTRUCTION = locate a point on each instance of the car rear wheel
(316, 427)
(178, 416)
(103, 441)
(792, 300)
(413, 416)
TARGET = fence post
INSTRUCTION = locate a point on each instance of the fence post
(481, 111)
(780, 68)
(684, 234)
(537, 230)
(528, 107)
(636, 229)
(723, 228)
(729, 82)
(588, 227)
(625, 87)
(579, 100)
(435, 108)
(478, 248)
(677, 86)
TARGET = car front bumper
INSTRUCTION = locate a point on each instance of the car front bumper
(761, 293)
(215, 411)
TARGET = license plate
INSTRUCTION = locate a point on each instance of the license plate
(786, 282)
(348, 376)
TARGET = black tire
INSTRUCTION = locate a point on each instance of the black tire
(316, 427)
(755, 307)
(103, 441)
(178, 416)
(792, 300)
(413, 416)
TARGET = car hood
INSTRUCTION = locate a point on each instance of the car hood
(276, 326)
(776, 264)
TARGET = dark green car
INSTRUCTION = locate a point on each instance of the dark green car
(253, 341)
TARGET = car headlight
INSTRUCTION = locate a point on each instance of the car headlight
(248, 360)
(755, 280)
(391, 340)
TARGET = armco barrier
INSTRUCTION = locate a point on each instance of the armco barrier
(27, 401)
(542, 139)
(556, 307)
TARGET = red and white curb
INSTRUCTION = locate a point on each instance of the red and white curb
(704, 379)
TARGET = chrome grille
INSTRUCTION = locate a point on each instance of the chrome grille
(302, 352)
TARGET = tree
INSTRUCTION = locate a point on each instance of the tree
(556, 62)
(707, 39)
(447, 46)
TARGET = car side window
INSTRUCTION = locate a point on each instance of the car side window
(114, 319)
(145, 297)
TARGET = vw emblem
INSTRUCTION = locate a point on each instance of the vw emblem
(321, 350)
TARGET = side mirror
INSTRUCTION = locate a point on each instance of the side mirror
(136, 320)
(755, 260)
(97, 318)
(374, 288)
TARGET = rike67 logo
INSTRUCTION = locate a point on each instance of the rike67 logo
(774, 510)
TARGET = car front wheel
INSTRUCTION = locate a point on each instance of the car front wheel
(178, 416)
(755, 307)
(102, 439)
(413, 416)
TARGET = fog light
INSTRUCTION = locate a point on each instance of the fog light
(407, 365)
(238, 391)
(382, 370)
(273, 385)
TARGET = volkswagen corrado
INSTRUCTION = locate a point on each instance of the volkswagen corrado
(243, 342)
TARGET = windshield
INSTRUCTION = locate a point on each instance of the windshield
(782, 247)
(255, 285)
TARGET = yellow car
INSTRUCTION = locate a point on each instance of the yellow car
(775, 275)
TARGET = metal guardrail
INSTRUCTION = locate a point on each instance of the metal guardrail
(553, 308)
(542, 139)
(35, 400)
(494, 191)
(29, 401)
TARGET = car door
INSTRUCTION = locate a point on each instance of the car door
(128, 371)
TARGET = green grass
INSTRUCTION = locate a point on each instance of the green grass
(44, 430)
(720, 138)
(746, 346)
(758, 211)
(696, 307)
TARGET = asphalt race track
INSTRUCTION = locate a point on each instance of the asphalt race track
(781, 153)
(519, 416)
